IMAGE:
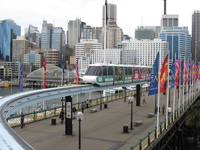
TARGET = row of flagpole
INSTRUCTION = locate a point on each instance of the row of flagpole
(182, 73)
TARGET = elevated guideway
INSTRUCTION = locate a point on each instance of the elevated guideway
(10, 104)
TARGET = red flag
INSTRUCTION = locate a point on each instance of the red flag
(177, 64)
(163, 75)
(199, 72)
(185, 65)
(44, 74)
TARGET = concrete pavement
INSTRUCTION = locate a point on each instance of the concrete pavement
(102, 130)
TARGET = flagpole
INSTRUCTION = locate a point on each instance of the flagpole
(167, 90)
(179, 87)
(158, 100)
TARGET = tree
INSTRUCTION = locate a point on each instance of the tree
(193, 117)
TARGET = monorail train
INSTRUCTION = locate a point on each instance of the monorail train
(109, 74)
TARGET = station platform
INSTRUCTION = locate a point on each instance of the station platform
(101, 130)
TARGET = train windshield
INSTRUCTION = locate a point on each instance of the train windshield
(94, 70)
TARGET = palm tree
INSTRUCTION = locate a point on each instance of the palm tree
(193, 117)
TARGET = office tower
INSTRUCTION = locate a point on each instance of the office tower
(112, 56)
(97, 33)
(34, 35)
(46, 35)
(52, 56)
(179, 41)
(111, 15)
(34, 58)
(114, 36)
(85, 46)
(57, 38)
(143, 33)
(86, 31)
(8, 30)
(169, 20)
(21, 46)
(196, 36)
(74, 32)
(142, 52)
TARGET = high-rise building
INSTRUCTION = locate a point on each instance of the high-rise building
(52, 56)
(34, 35)
(142, 52)
(9, 30)
(111, 15)
(143, 33)
(21, 46)
(86, 31)
(196, 36)
(114, 36)
(34, 58)
(97, 33)
(179, 41)
(46, 35)
(85, 46)
(169, 20)
(74, 32)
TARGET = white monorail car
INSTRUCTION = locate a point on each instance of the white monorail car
(109, 74)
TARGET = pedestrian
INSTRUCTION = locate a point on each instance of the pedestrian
(169, 110)
(144, 101)
(22, 120)
(163, 109)
(61, 116)
(74, 110)
(129, 99)
(82, 107)
(87, 103)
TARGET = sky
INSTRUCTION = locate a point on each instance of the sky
(130, 13)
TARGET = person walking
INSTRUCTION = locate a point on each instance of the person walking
(144, 101)
(82, 107)
(22, 120)
(74, 111)
(61, 116)
(87, 103)
(169, 110)
(163, 109)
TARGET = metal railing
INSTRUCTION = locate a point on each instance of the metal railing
(152, 135)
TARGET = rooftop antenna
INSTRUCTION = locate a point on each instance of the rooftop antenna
(165, 7)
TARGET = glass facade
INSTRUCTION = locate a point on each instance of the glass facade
(8, 30)
(179, 41)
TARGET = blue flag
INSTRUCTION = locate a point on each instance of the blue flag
(173, 70)
(20, 77)
(153, 89)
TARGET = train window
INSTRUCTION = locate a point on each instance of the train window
(130, 71)
(104, 70)
(90, 70)
(110, 70)
(98, 71)
(126, 70)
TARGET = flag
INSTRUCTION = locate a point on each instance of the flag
(63, 71)
(177, 73)
(198, 72)
(77, 72)
(44, 74)
(153, 88)
(20, 77)
(181, 72)
(163, 75)
(185, 72)
(173, 71)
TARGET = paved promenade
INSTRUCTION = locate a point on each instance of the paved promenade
(102, 130)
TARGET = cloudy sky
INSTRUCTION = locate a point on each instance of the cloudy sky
(130, 13)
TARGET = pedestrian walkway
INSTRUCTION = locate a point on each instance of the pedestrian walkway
(101, 130)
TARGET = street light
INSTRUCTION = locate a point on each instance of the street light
(132, 101)
(79, 117)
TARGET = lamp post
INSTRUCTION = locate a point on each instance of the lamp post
(79, 117)
(132, 101)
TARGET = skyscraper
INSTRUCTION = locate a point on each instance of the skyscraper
(179, 41)
(196, 35)
(34, 35)
(111, 14)
(169, 20)
(8, 30)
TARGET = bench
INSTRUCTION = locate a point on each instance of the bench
(138, 122)
(93, 110)
(150, 115)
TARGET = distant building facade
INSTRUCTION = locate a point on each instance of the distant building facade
(9, 30)
(179, 41)
(142, 52)
(196, 35)
(170, 21)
